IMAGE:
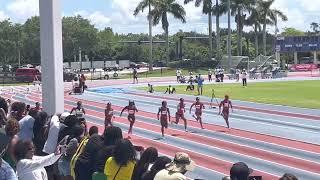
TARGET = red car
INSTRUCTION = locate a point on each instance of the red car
(28, 75)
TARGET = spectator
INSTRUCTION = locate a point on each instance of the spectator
(12, 129)
(3, 112)
(178, 74)
(170, 90)
(54, 128)
(120, 166)
(93, 130)
(200, 81)
(288, 176)
(37, 107)
(112, 135)
(71, 141)
(17, 110)
(244, 78)
(26, 112)
(175, 170)
(84, 165)
(83, 82)
(40, 132)
(6, 171)
(26, 126)
(240, 171)
(190, 86)
(147, 159)
(30, 167)
(150, 88)
(158, 165)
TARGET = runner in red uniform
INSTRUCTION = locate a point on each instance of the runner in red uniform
(199, 107)
(108, 113)
(226, 105)
(180, 113)
(163, 115)
(131, 108)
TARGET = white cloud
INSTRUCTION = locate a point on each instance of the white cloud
(23, 9)
(311, 6)
(3, 16)
(97, 18)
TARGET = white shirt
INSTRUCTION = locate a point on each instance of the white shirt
(26, 128)
(244, 75)
(33, 169)
(165, 175)
(51, 143)
(178, 73)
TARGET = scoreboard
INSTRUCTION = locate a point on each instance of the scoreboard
(297, 44)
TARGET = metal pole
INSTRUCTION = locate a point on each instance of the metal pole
(229, 35)
(150, 34)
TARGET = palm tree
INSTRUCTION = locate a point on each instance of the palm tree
(238, 7)
(160, 12)
(218, 11)
(268, 15)
(206, 9)
(254, 20)
(140, 8)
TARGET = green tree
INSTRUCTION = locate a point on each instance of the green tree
(255, 20)
(206, 9)
(31, 42)
(292, 32)
(238, 9)
(315, 27)
(160, 12)
(268, 15)
(140, 8)
(78, 33)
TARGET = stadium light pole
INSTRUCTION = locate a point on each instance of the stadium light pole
(51, 56)
(229, 35)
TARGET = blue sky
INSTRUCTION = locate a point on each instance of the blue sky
(117, 14)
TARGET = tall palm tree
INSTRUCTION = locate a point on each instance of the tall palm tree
(238, 9)
(160, 12)
(206, 9)
(255, 21)
(218, 11)
(140, 8)
(268, 15)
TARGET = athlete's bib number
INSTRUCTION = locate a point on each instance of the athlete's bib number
(131, 111)
(164, 112)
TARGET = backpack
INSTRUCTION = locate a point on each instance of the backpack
(74, 158)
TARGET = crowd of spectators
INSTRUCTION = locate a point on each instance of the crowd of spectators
(36, 146)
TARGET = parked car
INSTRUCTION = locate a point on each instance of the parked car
(27, 75)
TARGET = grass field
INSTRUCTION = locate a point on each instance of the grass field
(294, 93)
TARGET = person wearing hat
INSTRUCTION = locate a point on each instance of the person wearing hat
(6, 171)
(240, 171)
(177, 169)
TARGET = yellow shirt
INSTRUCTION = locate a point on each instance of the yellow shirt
(111, 168)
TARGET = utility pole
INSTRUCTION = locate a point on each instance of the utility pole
(229, 35)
